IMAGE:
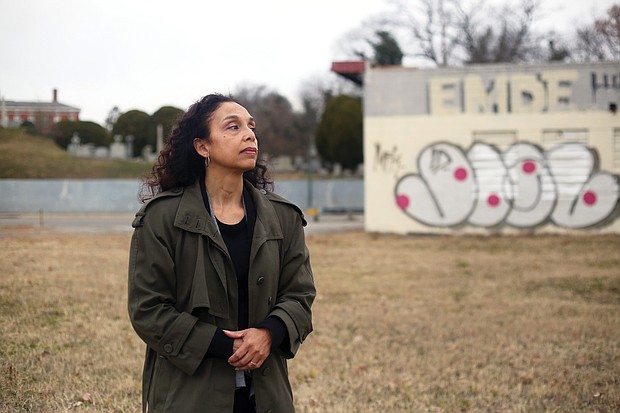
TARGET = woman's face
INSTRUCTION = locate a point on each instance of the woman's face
(233, 144)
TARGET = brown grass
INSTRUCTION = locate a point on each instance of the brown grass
(402, 324)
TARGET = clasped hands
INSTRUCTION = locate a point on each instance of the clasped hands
(250, 348)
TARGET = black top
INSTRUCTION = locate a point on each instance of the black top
(238, 242)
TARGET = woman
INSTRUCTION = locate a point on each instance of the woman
(220, 284)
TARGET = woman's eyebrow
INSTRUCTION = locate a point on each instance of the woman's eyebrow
(237, 117)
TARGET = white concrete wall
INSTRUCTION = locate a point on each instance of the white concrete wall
(535, 178)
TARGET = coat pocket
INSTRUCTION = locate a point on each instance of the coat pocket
(160, 385)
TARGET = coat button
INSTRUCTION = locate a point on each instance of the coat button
(260, 281)
(168, 348)
(269, 300)
(266, 371)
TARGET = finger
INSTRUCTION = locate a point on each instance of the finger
(237, 359)
(241, 357)
(243, 362)
(248, 361)
(234, 334)
(251, 365)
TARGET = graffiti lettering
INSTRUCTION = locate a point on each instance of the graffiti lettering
(514, 93)
(387, 161)
(605, 81)
(522, 187)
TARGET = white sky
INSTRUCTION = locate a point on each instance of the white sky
(144, 54)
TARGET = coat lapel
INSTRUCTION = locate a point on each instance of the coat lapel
(267, 225)
(192, 216)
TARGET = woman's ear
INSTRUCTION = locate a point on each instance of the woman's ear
(201, 147)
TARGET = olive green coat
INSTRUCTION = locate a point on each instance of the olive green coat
(182, 285)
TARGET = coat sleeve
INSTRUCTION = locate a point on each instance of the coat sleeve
(296, 289)
(177, 336)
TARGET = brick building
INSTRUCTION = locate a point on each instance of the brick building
(42, 114)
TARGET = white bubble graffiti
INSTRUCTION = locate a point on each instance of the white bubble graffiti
(522, 187)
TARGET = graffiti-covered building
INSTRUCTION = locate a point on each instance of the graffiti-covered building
(492, 148)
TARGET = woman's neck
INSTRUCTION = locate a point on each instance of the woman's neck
(225, 194)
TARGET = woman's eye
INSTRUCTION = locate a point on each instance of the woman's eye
(233, 127)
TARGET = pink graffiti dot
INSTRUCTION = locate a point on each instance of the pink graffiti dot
(529, 167)
(493, 200)
(402, 201)
(460, 174)
(589, 198)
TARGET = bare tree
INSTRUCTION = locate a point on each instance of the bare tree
(503, 36)
(426, 29)
(314, 92)
(357, 42)
(453, 32)
(317, 90)
(274, 120)
(610, 30)
(599, 40)
(430, 28)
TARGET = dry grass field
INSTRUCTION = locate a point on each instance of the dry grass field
(402, 324)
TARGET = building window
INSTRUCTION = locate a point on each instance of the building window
(553, 137)
(500, 139)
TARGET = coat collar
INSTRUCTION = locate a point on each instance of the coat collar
(192, 215)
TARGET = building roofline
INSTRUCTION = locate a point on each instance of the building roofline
(351, 70)
(38, 105)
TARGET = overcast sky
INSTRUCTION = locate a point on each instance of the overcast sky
(144, 54)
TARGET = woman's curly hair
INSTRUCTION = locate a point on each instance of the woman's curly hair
(178, 163)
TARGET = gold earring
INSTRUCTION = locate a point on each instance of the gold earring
(207, 161)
